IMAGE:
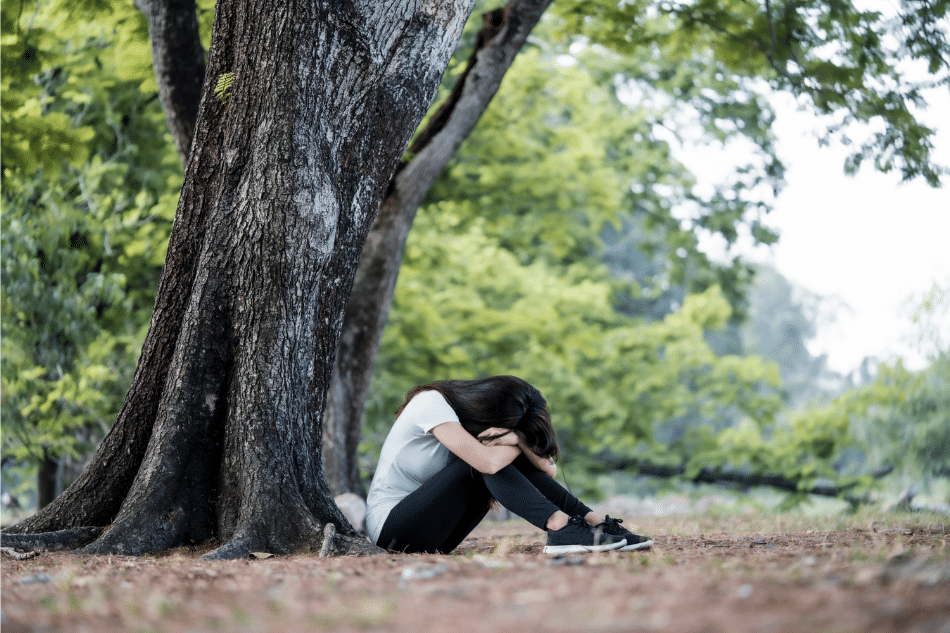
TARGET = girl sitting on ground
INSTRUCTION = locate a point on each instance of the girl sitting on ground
(458, 444)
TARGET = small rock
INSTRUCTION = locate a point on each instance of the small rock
(423, 572)
(491, 563)
(566, 560)
(532, 596)
(33, 579)
(744, 591)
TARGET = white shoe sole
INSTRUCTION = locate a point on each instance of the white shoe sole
(579, 549)
(635, 547)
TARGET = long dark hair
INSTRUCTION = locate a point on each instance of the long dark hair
(506, 402)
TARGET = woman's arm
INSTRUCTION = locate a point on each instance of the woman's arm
(484, 459)
(544, 464)
(509, 438)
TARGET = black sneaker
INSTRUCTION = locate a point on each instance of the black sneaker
(612, 527)
(579, 536)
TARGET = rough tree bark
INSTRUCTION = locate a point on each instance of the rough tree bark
(220, 432)
(504, 32)
(179, 64)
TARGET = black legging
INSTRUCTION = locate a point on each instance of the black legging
(446, 508)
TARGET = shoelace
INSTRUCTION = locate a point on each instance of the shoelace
(578, 521)
(612, 526)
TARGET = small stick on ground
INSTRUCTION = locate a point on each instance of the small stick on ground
(329, 531)
(12, 553)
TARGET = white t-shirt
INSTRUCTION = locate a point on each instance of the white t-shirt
(410, 456)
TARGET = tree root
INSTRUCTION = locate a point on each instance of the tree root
(326, 542)
(348, 546)
(15, 555)
(235, 548)
(69, 539)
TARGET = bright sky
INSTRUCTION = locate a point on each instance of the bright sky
(865, 243)
(868, 240)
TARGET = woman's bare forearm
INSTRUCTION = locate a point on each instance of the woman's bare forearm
(544, 464)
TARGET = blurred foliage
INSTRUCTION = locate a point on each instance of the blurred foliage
(931, 319)
(782, 320)
(903, 417)
(899, 418)
(85, 223)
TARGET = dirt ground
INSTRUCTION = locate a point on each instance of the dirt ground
(703, 574)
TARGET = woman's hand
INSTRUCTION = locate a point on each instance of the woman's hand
(544, 464)
(484, 459)
(507, 437)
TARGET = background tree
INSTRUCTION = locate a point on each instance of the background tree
(782, 320)
(902, 417)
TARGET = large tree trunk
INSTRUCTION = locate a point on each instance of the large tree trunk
(502, 36)
(220, 433)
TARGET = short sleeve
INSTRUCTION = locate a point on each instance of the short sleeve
(429, 409)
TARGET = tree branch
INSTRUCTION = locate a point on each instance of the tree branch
(729, 476)
(179, 62)
(504, 32)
